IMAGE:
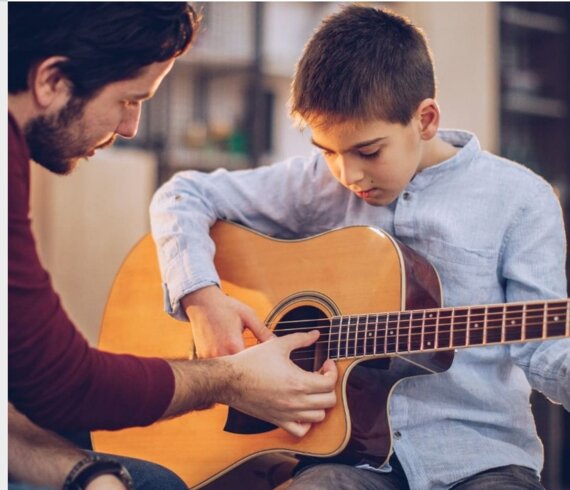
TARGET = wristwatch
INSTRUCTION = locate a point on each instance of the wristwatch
(93, 466)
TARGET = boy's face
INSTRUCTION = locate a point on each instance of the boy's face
(375, 160)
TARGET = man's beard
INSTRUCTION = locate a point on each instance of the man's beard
(58, 141)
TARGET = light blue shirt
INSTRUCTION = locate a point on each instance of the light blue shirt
(494, 232)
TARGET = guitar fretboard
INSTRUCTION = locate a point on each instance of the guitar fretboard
(408, 332)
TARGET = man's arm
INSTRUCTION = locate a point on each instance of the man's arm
(39, 457)
(261, 381)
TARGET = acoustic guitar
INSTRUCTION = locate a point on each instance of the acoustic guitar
(377, 304)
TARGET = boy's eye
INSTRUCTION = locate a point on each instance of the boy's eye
(328, 153)
(370, 155)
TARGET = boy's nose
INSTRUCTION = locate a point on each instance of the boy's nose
(350, 172)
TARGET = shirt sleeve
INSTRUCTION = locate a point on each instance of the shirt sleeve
(534, 254)
(277, 200)
(54, 376)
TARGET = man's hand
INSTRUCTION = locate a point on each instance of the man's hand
(268, 385)
(218, 322)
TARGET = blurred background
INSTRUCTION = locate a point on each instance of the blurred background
(503, 72)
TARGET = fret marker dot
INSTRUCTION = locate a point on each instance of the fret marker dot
(512, 322)
(430, 315)
(370, 334)
(476, 325)
(429, 344)
(391, 332)
(556, 318)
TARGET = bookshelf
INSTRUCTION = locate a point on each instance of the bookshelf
(535, 130)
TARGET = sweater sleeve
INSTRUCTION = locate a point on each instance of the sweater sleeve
(54, 376)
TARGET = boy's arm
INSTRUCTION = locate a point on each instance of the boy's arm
(534, 255)
(279, 200)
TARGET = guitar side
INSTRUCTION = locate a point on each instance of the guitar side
(330, 272)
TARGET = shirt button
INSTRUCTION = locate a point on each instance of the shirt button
(406, 196)
(397, 435)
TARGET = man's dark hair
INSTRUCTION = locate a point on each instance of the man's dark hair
(363, 63)
(103, 42)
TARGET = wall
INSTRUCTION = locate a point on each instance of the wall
(85, 224)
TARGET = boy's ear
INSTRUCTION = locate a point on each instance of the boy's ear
(428, 118)
(50, 88)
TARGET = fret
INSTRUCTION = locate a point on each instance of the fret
(524, 337)
(351, 336)
(365, 338)
(534, 321)
(342, 337)
(429, 328)
(403, 332)
(391, 334)
(485, 314)
(460, 327)
(334, 336)
(415, 343)
(467, 325)
(358, 336)
(476, 326)
(444, 328)
(494, 324)
(452, 329)
(544, 323)
(503, 324)
(380, 334)
(386, 334)
(556, 319)
(513, 322)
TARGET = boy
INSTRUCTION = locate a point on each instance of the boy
(493, 230)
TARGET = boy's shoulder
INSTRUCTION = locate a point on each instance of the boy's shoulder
(495, 171)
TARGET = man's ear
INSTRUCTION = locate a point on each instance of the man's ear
(49, 86)
(428, 116)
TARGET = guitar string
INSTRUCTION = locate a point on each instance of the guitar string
(384, 321)
(385, 350)
(552, 308)
(357, 340)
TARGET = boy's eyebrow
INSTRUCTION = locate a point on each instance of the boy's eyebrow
(357, 145)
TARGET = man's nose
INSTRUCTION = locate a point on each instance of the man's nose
(129, 125)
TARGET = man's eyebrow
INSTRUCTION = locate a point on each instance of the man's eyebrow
(361, 144)
(143, 96)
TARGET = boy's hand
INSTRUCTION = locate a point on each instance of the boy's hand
(268, 385)
(218, 322)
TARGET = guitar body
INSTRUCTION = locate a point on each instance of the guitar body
(347, 271)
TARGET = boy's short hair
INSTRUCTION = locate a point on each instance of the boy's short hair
(363, 64)
(103, 42)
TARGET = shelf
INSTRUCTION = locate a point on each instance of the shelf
(534, 105)
(206, 160)
(533, 20)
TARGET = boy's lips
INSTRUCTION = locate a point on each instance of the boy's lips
(367, 193)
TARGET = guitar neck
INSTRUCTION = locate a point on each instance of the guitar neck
(415, 331)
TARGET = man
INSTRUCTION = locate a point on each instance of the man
(78, 75)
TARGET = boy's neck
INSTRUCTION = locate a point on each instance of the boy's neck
(436, 151)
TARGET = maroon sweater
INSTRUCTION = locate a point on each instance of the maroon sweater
(54, 376)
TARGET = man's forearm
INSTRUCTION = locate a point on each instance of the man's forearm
(199, 384)
(37, 456)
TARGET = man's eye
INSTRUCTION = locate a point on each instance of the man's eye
(328, 153)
